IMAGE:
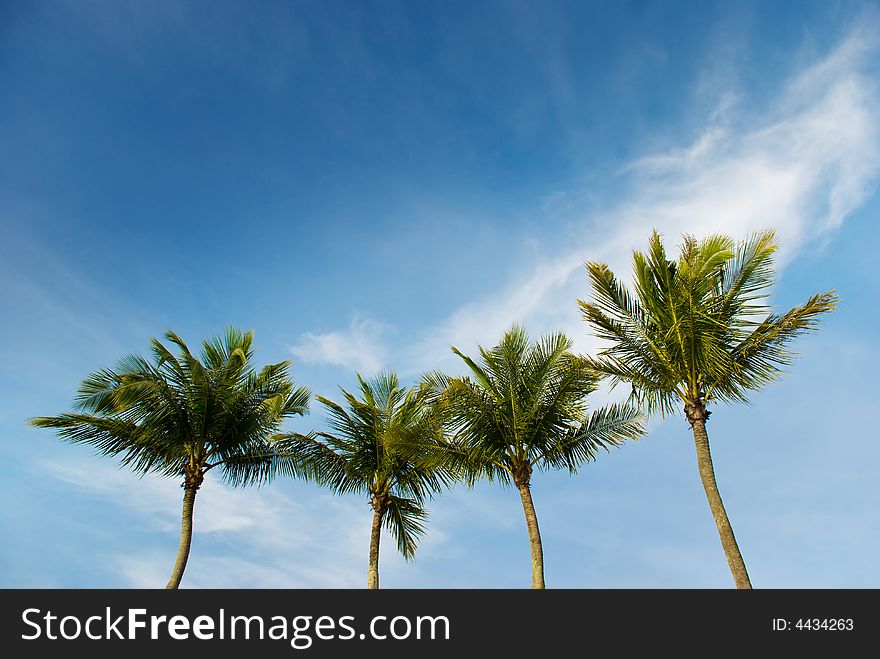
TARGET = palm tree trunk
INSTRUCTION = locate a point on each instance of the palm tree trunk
(707, 474)
(534, 535)
(375, 534)
(189, 499)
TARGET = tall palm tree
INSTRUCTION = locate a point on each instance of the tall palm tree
(361, 454)
(698, 331)
(183, 416)
(524, 407)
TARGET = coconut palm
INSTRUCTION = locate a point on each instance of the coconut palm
(361, 454)
(183, 416)
(524, 407)
(698, 331)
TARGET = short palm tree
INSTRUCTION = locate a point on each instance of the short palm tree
(524, 407)
(361, 454)
(183, 416)
(698, 331)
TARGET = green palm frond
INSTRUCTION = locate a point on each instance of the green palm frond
(405, 520)
(523, 404)
(697, 328)
(133, 445)
(603, 429)
(179, 412)
(371, 448)
(292, 455)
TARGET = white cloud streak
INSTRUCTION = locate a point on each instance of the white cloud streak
(360, 347)
(267, 538)
(801, 167)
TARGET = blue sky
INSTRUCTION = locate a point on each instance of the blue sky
(364, 184)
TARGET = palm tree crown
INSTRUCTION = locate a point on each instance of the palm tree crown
(524, 406)
(182, 415)
(696, 330)
(362, 454)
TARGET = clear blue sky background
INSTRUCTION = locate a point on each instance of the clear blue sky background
(364, 184)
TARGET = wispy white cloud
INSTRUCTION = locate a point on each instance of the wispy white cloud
(800, 166)
(360, 347)
(267, 537)
(158, 499)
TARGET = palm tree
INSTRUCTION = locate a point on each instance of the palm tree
(524, 406)
(183, 416)
(698, 331)
(362, 455)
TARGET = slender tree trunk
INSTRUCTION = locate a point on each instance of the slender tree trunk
(725, 531)
(375, 534)
(534, 535)
(189, 499)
